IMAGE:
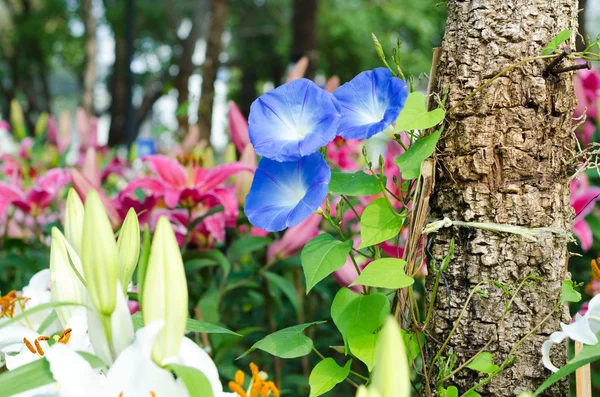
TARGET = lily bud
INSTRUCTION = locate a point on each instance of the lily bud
(99, 255)
(243, 181)
(129, 248)
(74, 220)
(41, 124)
(17, 120)
(391, 376)
(208, 157)
(230, 155)
(165, 295)
(66, 276)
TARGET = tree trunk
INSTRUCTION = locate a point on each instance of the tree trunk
(89, 73)
(304, 34)
(211, 66)
(186, 68)
(581, 37)
(118, 104)
(505, 157)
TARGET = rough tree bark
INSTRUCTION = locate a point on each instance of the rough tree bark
(211, 66)
(582, 21)
(505, 158)
(89, 73)
(304, 33)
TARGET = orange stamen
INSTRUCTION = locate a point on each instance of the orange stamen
(43, 337)
(254, 369)
(38, 347)
(29, 345)
(152, 394)
(595, 269)
(65, 336)
(234, 387)
(239, 377)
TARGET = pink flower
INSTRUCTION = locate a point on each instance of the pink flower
(184, 186)
(295, 238)
(238, 127)
(83, 186)
(587, 89)
(346, 154)
(583, 199)
(38, 197)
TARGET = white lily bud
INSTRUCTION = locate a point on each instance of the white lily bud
(391, 375)
(129, 248)
(66, 276)
(99, 255)
(165, 295)
(74, 220)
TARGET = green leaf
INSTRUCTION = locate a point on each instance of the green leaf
(357, 184)
(556, 41)
(568, 292)
(286, 287)
(321, 256)
(483, 362)
(35, 309)
(195, 381)
(472, 393)
(246, 245)
(414, 115)
(143, 264)
(325, 375)
(411, 160)
(378, 223)
(358, 318)
(452, 391)
(214, 255)
(411, 341)
(26, 377)
(191, 325)
(588, 354)
(384, 273)
(286, 343)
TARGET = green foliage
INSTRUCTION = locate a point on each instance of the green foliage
(26, 377)
(568, 293)
(557, 41)
(358, 317)
(191, 325)
(322, 256)
(286, 287)
(415, 116)
(483, 362)
(356, 184)
(286, 343)
(379, 223)
(411, 160)
(194, 380)
(385, 273)
(325, 375)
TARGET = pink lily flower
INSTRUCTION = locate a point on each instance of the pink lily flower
(587, 90)
(295, 238)
(238, 127)
(87, 128)
(83, 186)
(38, 197)
(583, 200)
(180, 185)
(90, 167)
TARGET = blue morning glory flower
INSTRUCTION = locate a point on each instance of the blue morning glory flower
(370, 103)
(293, 120)
(284, 194)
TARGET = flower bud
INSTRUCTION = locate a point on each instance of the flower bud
(129, 248)
(99, 255)
(378, 47)
(243, 181)
(74, 220)
(66, 276)
(17, 120)
(165, 295)
(391, 376)
(230, 156)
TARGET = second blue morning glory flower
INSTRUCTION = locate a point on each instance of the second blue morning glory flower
(370, 103)
(284, 194)
(293, 120)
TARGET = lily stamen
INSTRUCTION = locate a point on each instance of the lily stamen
(258, 387)
(65, 336)
(29, 346)
(38, 347)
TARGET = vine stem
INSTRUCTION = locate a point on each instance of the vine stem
(500, 324)
(498, 75)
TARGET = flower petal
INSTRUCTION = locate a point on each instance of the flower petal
(292, 121)
(170, 172)
(370, 103)
(284, 194)
(583, 232)
(238, 127)
(556, 337)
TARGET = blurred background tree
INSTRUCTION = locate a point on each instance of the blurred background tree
(56, 55)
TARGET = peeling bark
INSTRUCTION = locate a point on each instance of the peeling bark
(504, 158)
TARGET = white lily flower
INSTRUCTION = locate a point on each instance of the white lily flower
(192, 355)
(37, 292)
(583, 329)
(133, 374)
(30, 346)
